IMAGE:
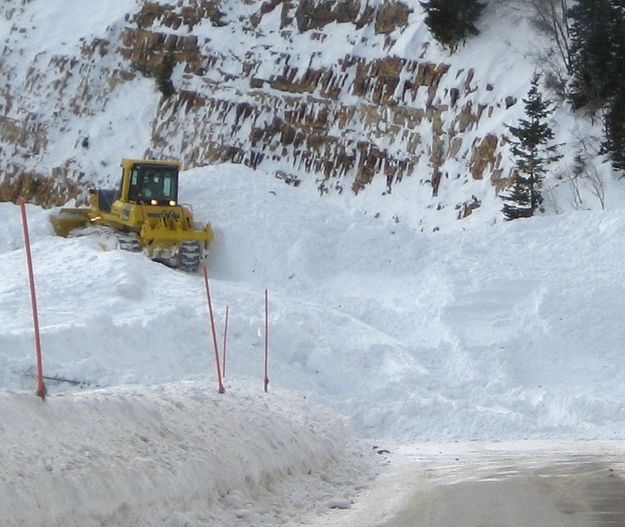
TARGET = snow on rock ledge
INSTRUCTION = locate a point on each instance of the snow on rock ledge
(346, 94)
(173, 453)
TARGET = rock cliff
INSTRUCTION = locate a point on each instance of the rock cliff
(344, 93)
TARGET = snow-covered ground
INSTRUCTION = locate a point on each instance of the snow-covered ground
(496, 332)
(392, 325)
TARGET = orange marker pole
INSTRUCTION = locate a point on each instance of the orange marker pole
(212, 319)
(41, 387)
(225, 343)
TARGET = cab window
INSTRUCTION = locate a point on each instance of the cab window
(154, 184)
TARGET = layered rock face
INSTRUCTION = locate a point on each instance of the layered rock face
(342, 92)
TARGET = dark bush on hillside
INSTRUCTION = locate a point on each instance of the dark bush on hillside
(452, 21)
(163, 76)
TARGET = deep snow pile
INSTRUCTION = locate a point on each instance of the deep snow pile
(170, 455)
(506, 331)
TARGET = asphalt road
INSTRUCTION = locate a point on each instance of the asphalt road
(521, 484)
(571, 493)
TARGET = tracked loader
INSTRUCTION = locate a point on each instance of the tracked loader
(144, 214)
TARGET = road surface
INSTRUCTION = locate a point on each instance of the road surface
(521, 484)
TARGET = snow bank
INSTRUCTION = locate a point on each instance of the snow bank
(169, 455)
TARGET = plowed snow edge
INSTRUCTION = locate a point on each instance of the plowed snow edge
(176, 454)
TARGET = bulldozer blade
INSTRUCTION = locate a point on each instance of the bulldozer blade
(67, 220)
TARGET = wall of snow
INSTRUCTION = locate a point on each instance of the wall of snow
(173, 455)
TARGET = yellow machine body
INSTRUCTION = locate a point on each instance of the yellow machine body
(144, 209)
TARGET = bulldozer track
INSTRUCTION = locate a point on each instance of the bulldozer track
(190, 257)
(129, 242)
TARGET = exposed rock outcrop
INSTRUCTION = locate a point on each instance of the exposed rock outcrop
(339, 118)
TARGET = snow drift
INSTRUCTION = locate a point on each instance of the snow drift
(503, 331)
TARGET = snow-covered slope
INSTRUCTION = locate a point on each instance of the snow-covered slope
(504, 331)
(350, 95)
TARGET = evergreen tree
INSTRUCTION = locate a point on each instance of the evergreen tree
(519, 198)
(614, 114)
(614, 127)
(451, 21)
(533, 154)
(598, 67)
(593, 52)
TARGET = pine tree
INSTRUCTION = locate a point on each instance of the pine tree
(614, 129)
(451, 21)
(614, 112)
(592, 52)
(520, 200)
(533, 154)
(598, 67)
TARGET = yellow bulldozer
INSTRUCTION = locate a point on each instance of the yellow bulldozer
(145, 215)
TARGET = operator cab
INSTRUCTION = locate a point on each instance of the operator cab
(153, 184)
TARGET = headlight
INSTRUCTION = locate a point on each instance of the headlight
(172, 203)
(153, 202)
